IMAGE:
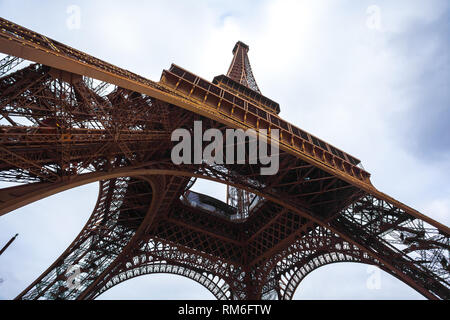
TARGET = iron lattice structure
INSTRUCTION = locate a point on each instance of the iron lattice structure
(69, 119)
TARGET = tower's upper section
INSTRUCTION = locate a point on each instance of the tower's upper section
(240, 69)
(241, 81)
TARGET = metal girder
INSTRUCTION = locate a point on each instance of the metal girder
(62, 128)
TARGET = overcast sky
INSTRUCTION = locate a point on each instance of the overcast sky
(370, 77)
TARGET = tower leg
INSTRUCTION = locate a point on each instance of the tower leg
(102, 240)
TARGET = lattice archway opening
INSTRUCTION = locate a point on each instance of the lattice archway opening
(341, 276)
(46, 228)
(112, 197)
(60, 265)
(163, 172)
(216, 286)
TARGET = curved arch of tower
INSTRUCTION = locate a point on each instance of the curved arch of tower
(217, 286)
(69, 119)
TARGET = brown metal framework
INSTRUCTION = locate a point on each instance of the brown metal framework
(69, 119)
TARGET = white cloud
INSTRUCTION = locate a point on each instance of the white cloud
(440, 209)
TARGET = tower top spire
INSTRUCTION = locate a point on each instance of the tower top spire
(240, 69)
(240, 80)
(240, 44)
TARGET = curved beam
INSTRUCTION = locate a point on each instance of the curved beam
(220, 292)
(157, 198)
(312, 264)
(97, 233)
(84, 179)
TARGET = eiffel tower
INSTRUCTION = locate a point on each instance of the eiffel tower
(68, 119)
